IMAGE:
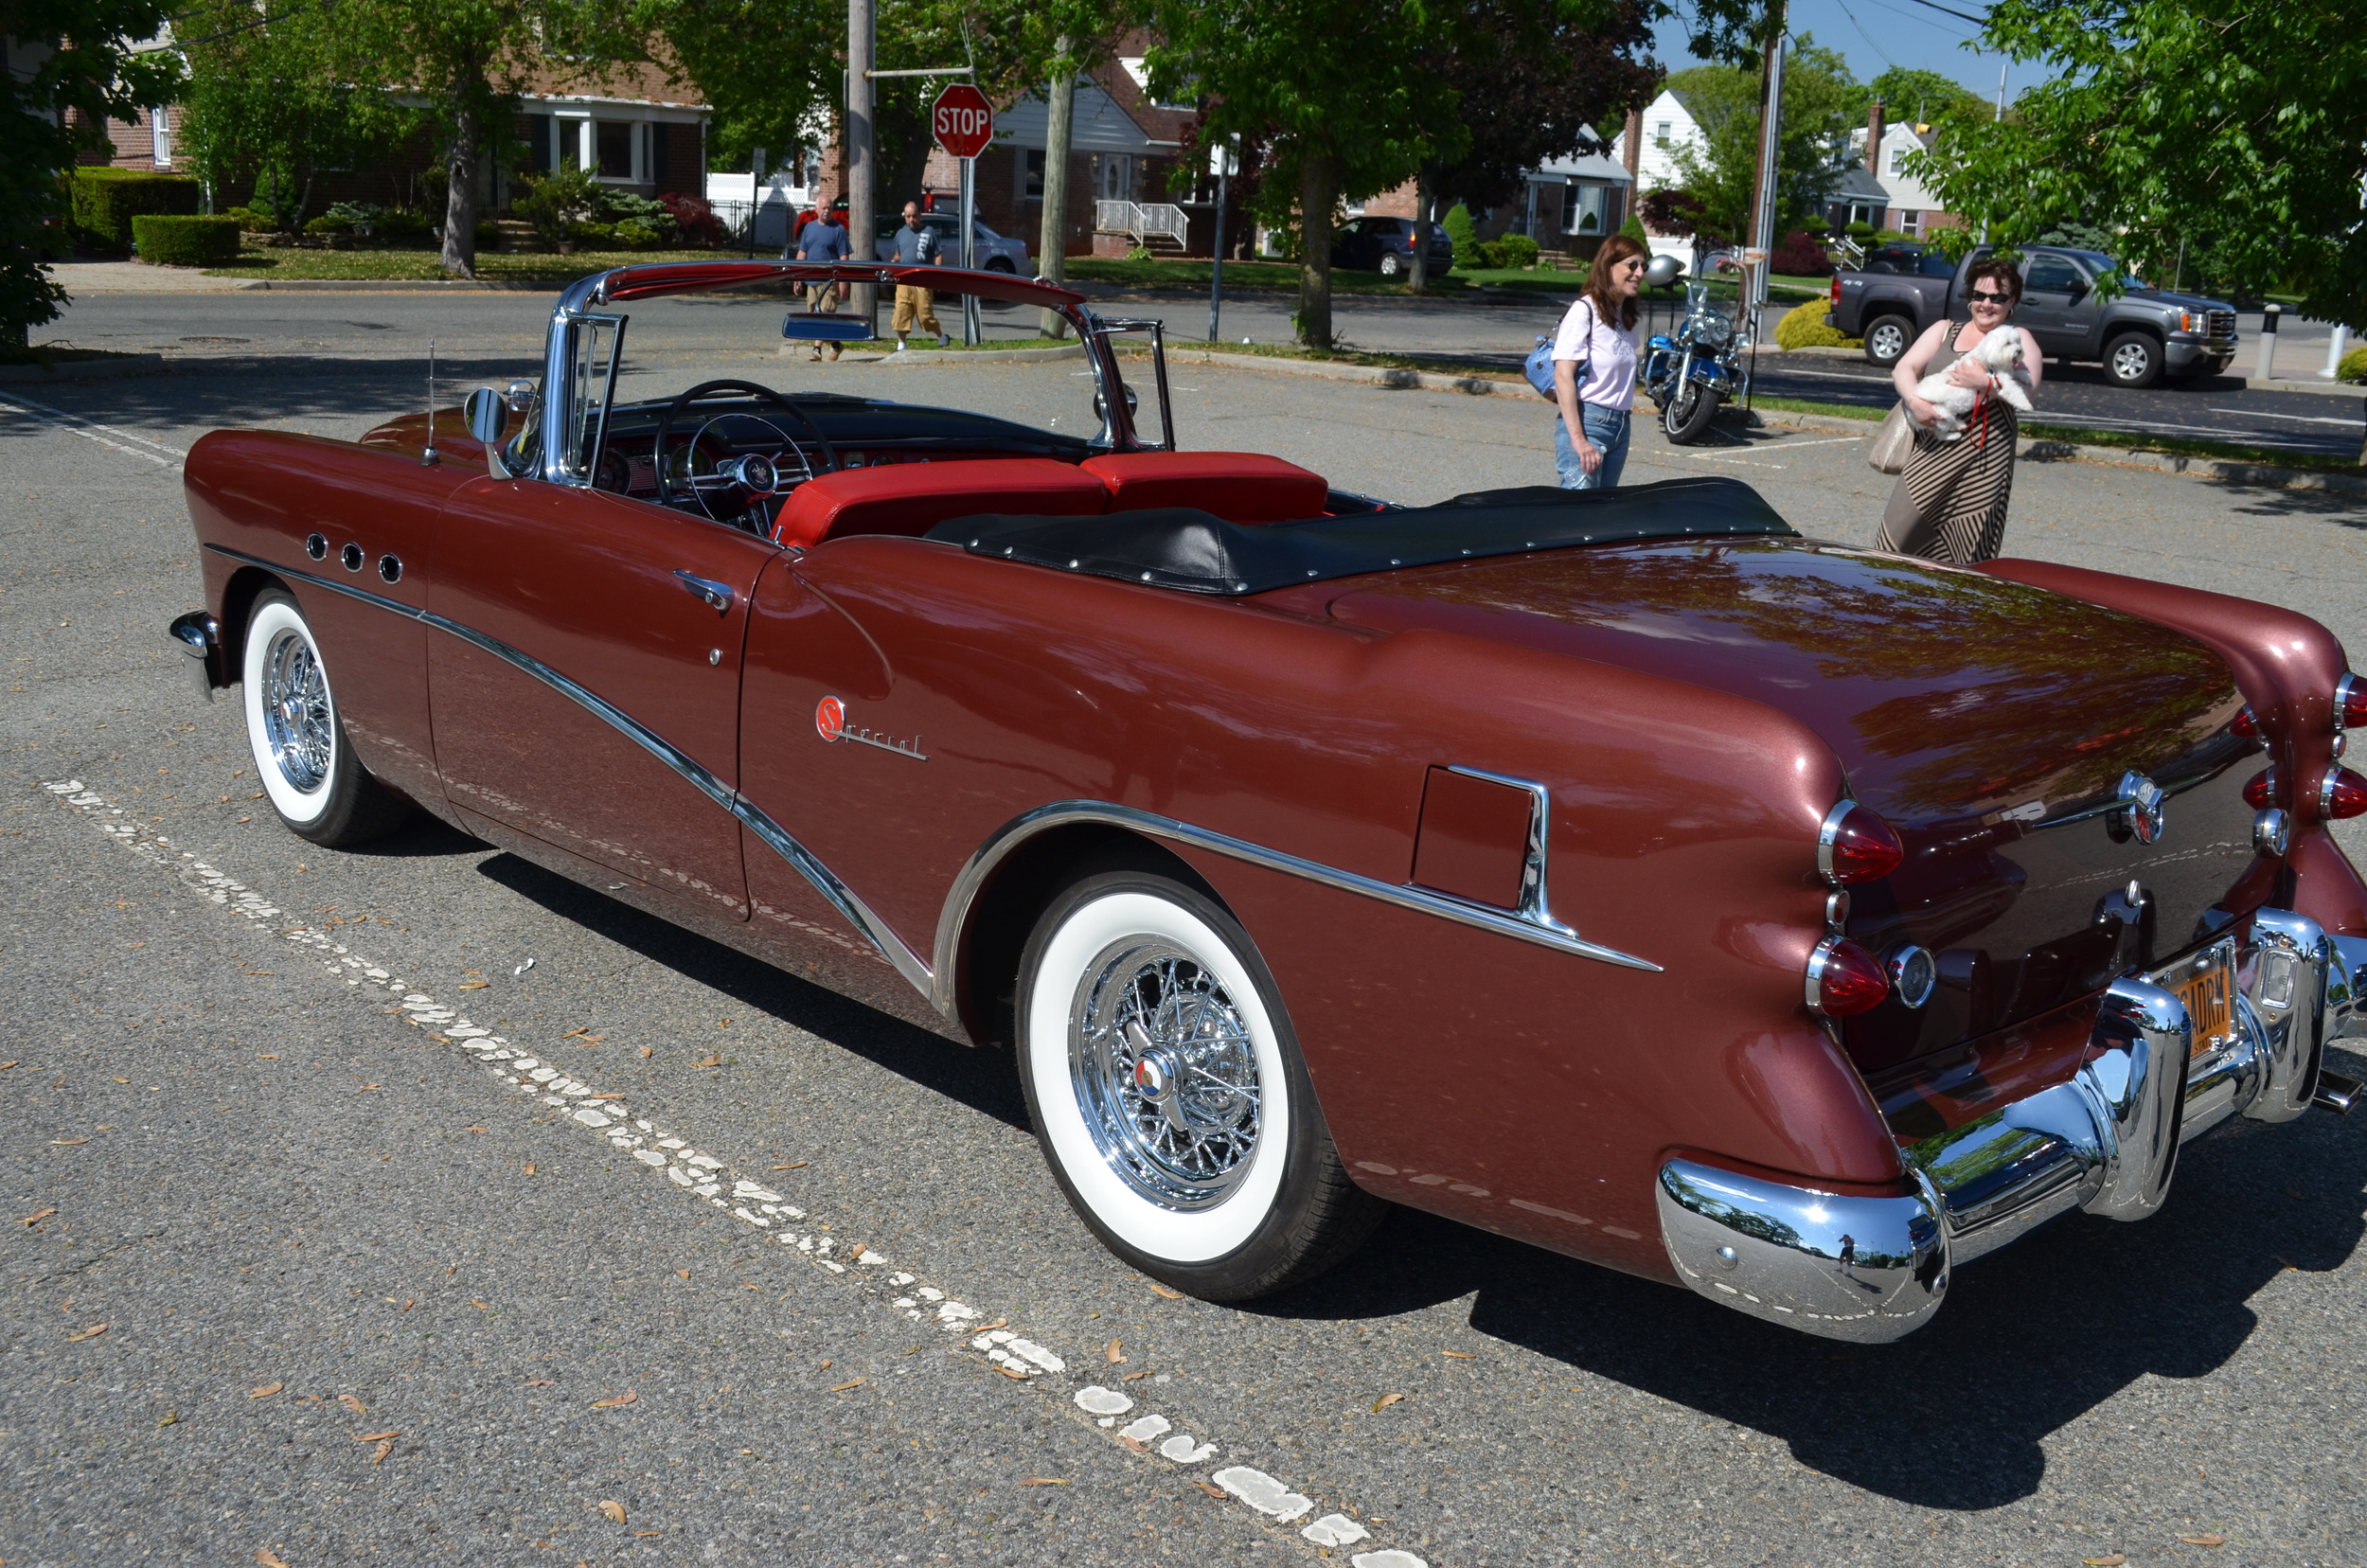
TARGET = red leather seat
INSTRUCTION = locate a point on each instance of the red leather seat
(912, 498)
(1240, 486)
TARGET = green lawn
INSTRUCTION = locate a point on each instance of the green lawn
(2226, 452)
(424, 265)
(1283, 277)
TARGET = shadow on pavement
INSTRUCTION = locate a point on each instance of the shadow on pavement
(1956, 1416)
(982, 1081)
(2348, 510)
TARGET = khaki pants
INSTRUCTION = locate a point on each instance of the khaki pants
(916, 306)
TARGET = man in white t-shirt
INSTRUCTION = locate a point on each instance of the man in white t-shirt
(1594, 360)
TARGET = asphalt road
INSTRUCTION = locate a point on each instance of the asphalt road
(293, 324)
(276, 1187)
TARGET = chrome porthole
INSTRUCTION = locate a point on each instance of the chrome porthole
(1914, 975)
(353, 558)
(390, 568)
(297, 721)
(1166, 1074)
(316, 545)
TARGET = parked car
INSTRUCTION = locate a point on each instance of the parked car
(1918, 260)
(2139, 336)
(1531, 858)
(1386, 246)
(992, 252)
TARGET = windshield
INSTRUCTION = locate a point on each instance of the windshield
(2104, 266)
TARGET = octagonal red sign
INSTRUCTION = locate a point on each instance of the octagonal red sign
(962, 120)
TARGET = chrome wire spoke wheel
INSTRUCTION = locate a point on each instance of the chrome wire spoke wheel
(1166, 1074)
(297, 717)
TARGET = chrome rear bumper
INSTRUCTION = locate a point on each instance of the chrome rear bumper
(1874, 1269)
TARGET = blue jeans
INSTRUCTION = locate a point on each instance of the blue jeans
(1607, 432)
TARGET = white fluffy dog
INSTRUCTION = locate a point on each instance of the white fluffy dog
(1999, 353)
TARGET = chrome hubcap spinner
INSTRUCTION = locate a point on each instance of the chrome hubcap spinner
(295, 712)
(1166, 1073)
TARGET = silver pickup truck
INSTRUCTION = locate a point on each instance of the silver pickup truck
(2139, 335)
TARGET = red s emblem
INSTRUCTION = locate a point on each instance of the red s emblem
(829, 717)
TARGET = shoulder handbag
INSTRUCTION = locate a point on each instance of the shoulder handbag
(1894, 444)
(1538, 367)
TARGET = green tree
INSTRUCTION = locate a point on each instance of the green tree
(1337, 89)
(74, 55)
(2238, 131)
(266, 104)
(1722, 172)
(1926, 96)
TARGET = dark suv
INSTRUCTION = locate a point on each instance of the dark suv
(1386, 246)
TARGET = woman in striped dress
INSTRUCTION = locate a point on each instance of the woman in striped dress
(1949, 503)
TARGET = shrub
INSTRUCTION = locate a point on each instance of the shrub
(489, 235)
(107, 199)
(593, 234)
(1809, 327)
(174, 241)
(694, 220)
(2354, 366)
(329, 222)
(632, 233)
(621, 207)
(250, 219)
(1516, 251)
(1459, 228)
(1799, 256)
(400, 227)
(1633, 229)
(557, 202)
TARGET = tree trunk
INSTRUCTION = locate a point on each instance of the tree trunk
(1319, 190)
(1425, 198)
(1052, 240)
(859, 141)
(461, 194)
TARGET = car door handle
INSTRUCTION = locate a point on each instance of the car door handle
(716, 594)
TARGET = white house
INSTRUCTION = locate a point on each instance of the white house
(1670, 126)
(1911, 209)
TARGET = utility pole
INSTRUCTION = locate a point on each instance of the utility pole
(1760, 245)
(859, 137)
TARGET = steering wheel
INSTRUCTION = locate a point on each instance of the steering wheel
(666, 488)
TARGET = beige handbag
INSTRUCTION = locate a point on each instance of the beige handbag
(1894, 444)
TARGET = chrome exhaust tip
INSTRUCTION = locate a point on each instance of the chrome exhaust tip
(2338, 1092)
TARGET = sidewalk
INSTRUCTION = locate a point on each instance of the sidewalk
(128, 276)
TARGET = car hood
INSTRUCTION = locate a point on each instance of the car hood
(2178, 301)
(1990, 722)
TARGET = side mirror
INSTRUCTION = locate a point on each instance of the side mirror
(519, 395)
(1664, 270)
(487, 414)
(2078, 290)
(1132, 402)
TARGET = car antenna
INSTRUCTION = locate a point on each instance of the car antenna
(428, 459)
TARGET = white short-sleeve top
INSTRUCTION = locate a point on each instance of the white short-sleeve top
(1609, 353)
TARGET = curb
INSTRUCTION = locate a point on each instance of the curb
(1371, 375)
(2221, 468)
(75, 370)
(2324, 388)
(395, 285)
(979, 356)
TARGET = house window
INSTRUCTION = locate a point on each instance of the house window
(567, 139)
(1586, 209)
(613, 148)
(1114, 176)
(1031, 173)
(1898, 153)
(1910, 223)
(160, 128)
(1660, 132)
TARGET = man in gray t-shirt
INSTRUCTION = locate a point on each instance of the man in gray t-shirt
(824, 238)
(916, 246)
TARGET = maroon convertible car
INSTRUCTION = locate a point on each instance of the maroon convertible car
(1615, 871)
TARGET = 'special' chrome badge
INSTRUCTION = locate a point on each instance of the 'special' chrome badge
(829, 722)
(2141, 805)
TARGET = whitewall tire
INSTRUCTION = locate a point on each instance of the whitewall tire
(306, 763)
(1168, 1091)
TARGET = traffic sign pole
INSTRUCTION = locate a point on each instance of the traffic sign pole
(972, 327)
(962, 123)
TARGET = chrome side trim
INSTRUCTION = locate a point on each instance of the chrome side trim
(198, 635)
(774, 836)
(1535, 908)
(1828, 835)
(1866, 1270)
(1421, 900)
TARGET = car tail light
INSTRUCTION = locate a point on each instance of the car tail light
(1844, 979)
(1837, 287)
(2246, 723)
(1855, 845)
(2260, 791)
(2350, 703)
(2341, 794)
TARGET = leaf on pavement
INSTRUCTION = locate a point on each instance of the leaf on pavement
(628, 1396)
(1013, 1372)
(1115, 1354)
(265, 1391)
(36, 1219)
(172, 1417)
(613, 1510)
(529, 1168)
(481, 1306)
(6, 1066)
(686, 1273)
(708, 1062)
(2215, 1538)
(268, 1557)
(92, 1332)
(2109, 1560)
(474, 985)
(852, 1382)
(1385, 1401)
(798, 1165)
(1043, 1481)
(1170, 1292)
(353, 1404)
(1459, 1355)
(543, 1383)
(385, 1447)
(68, 1143)
(377, 1437)
(1131, 1376)
(1217, 1492)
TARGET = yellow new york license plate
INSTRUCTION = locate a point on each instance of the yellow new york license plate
(2210, 1005)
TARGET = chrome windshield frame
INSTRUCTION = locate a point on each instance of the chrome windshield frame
(581, 303)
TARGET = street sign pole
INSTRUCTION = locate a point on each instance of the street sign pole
(973, 328)
(1224, 162)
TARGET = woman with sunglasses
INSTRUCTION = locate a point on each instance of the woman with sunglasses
(1950, 503)
(1595, 358)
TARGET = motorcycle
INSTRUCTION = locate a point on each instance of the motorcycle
(1700, 366)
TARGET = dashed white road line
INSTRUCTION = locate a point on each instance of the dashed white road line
(705, 1176)
(73, 425)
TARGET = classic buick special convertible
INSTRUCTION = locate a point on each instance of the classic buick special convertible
(1617, 871)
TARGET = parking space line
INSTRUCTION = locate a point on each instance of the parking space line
(73, 425)
(761, 1211)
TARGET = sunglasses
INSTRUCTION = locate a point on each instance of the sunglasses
(1983, 296)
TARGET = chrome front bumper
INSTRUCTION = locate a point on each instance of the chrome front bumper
(1874, 1269)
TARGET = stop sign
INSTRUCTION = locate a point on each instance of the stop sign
(962, 120)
